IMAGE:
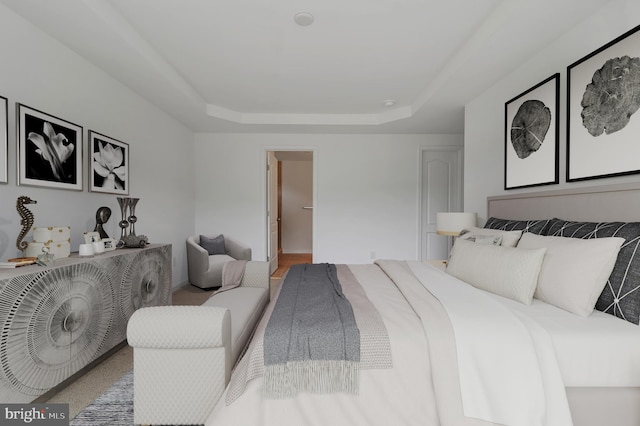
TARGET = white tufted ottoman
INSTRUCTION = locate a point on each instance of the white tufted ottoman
(167, 338)
(183, 355)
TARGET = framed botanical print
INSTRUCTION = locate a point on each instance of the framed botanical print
(531, 136)
(49, 150)
(603, 122)
(108, 164)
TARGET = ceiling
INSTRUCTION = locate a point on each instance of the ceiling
(246, 66)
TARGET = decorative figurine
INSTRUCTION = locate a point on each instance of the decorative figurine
(46, 258)
(26, 220)
(102, 216)
(135, 241)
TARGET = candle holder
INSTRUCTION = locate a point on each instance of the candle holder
(124, 223)
(132, 218)
(130, 240)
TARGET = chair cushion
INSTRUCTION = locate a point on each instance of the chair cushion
(219, 259)
(213, 245)
(246, 305)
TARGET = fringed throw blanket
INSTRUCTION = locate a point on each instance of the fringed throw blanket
(311, 342)
(375, 348)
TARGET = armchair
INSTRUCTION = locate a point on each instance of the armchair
(204, 270)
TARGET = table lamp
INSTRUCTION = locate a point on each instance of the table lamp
(451, 223)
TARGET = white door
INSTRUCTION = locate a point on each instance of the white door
(272, 210)
(441, 191)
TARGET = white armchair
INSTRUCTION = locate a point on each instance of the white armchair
(204, 270)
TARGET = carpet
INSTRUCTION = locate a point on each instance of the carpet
(114, 407)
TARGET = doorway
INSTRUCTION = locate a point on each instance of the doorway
(290, 209)
(440, 191)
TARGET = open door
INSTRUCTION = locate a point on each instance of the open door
(290, 199)
(272, 210)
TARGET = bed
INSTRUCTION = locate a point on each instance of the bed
(463, 355)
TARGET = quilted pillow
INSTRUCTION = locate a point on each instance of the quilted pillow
(621, 295)
(506, 271)
(213, 245)
(507, 238)
(534, 226)
(574, 271)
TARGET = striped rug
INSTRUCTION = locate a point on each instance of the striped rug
(112, 408)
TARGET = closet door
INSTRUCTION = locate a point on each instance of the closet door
(440, 191)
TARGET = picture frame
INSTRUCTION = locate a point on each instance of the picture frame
(91, 237)
(49, 150)
(108, 164)
(603, 122)
(4, 141)
(110, 244)
(531, 129)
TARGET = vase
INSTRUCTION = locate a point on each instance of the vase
(132, 218)
(124, 204)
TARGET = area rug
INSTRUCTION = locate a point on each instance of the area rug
(113, 408)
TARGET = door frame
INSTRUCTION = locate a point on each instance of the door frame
(453, 148)
(265, 192)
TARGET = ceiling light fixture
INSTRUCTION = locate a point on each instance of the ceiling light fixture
(304, 19)
(389, 103)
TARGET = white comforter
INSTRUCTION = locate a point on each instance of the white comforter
(425, 387)
(507, 366)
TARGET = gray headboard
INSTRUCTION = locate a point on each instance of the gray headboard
(620, 202)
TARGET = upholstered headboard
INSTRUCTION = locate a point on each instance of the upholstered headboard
(620, 202)
(586, 213)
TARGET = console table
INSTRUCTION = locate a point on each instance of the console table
(56, 320)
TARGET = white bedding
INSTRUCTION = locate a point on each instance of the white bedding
(398, 395)
(598, 351)
(383, 398)
(508, 371)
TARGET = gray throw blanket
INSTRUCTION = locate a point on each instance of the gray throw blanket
(311, 342)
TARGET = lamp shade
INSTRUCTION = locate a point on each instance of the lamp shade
(451, 223)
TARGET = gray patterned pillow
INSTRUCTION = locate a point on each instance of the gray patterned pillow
(535, 226)
(621, 295)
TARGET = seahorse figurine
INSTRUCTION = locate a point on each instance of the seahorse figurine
(26, 221)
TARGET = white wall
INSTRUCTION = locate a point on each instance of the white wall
(41, 73)
(366, 191)
(297, 192)
(484, 116)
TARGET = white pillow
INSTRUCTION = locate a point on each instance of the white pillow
(574, 271)
(509, 238)
(507, 271)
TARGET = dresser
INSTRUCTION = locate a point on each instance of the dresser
(58, 319)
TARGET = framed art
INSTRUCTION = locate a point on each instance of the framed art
(91, 237)
(49, 150)
(531, 136)
(110, 244)
(108, 165)
(4, 143)
(603, 122)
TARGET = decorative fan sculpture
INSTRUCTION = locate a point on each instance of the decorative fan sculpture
(57, 321)
(141, 281)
